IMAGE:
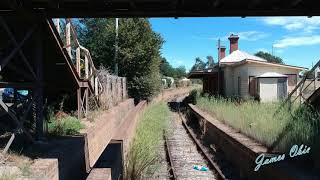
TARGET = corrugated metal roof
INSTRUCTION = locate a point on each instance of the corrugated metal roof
(237, 56)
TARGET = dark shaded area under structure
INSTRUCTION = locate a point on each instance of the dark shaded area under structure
(165, 8)
(33, 58)
(212, 79)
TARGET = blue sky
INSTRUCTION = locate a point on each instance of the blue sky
(295, 39)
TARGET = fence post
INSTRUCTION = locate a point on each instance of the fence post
(123, 88)
(114, 90)
(78, 61)
(119, 89)
(86, 66)
(96, 86)
(68, 37)
(58, 25)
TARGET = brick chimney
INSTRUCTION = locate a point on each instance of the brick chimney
(222, 52)
(233, 42)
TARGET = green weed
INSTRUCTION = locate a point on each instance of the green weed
(65, 126)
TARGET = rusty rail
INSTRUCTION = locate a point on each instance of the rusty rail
(173, 175)
(214, 165)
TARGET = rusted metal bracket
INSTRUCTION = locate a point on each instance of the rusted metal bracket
(16, 121)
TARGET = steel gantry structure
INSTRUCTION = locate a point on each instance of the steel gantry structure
(34, 57)
(37, 58)
(165, 8)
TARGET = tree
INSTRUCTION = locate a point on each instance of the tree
(198, 65)
(166, 69)
(180, 72)
(139, 51)
(210, 61)
(269, 57)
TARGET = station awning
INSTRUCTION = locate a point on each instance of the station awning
(199, 74)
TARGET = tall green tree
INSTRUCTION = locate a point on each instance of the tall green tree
(198, 65)
(180, 72)
(210, 61)
(138, 55)
(269, 57)
(167, 70)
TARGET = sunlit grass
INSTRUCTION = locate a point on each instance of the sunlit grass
(144, 149)
(259, 121)
(68, 125)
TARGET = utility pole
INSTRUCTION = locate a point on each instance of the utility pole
(116, 70)
(219, 45)
(272, 50)
(219, 56)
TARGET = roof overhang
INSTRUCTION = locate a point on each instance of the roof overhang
(272, 75)
(164, 8)
(268, 64)
(201, 74)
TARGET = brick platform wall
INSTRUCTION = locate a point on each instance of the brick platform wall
(100, 134)
(241, 150)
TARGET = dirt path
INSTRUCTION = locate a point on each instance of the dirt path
(169, 94)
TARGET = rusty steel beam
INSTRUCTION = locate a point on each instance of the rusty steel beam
(17, 85)
(18, 46)
(15, 120)
(79, 102)
(162, 8)
(38, 90)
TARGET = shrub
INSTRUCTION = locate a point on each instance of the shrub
(65, 126)
(192, 98)
(144, 87)
(25, 168)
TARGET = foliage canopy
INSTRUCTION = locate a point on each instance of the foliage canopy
(199, 64)
(269, 57)
(138, 51)
(167, 70)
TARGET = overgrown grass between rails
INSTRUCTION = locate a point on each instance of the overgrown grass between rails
(258, 121)
(144, 147)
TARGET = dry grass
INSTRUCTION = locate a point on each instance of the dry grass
(8, 176)
(258, 120)
(23, 163)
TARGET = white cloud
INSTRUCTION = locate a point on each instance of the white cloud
(245, 35)
(297, 41)
(262, 49)
(251, 35)
(279, 51)
(308, 25)
(179, 62)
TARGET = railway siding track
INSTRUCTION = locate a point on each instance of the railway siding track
(184, 155)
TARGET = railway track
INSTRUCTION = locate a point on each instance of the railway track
(184, 151)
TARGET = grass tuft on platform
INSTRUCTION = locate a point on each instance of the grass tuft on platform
(68, 125)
